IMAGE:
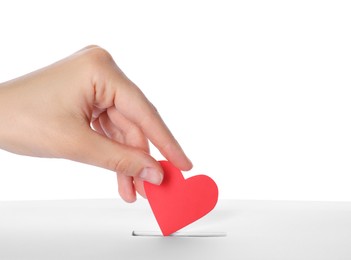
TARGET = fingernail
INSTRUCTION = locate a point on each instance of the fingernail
(151, 175)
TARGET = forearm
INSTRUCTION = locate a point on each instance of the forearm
(8, 117)
(3, 115)
(20, 121)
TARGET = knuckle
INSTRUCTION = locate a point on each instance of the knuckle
(96, 55)
(91, 46)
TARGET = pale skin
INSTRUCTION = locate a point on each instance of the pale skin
(84, 108)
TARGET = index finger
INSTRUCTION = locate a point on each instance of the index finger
(132, 103)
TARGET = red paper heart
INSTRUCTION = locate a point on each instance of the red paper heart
(178, 202)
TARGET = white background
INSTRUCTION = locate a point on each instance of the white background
(257, 92)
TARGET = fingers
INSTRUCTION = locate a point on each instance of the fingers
(126, 188)
(97, 127)
(113, 88)
(132, 120)
(130, 163)
(125, 183)
(139, 186)
(142, 113)
(110, 130)
(123, 131)
(133, 135)
(93, 148)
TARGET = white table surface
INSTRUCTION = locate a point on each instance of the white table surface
(101, 229)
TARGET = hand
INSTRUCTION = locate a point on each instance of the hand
(84, 108)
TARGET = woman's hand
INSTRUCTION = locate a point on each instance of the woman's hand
(84, 108)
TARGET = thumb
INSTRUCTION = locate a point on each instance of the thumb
(95, 149)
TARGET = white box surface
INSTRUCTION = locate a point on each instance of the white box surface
(102, 229)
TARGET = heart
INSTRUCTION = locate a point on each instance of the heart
(178, 202)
